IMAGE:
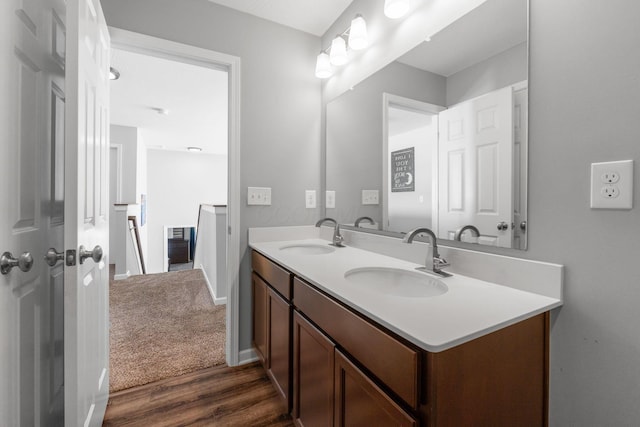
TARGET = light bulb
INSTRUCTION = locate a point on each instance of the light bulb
(338, 55)
(396, 8)
(358, 33)
(323, 66)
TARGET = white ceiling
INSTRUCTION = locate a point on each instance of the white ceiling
(195, 97)
(489, 29)
(311, 16)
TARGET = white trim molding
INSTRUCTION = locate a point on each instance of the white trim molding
(141, 43)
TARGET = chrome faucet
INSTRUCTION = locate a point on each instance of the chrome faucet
(363, 218)
(474, 230)
(337, 237)
(434, 262)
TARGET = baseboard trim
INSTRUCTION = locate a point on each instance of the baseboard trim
(247, 356)
(122, 276)
(216, 300)
(206, 279)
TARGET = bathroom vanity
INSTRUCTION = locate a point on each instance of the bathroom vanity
(341, 354)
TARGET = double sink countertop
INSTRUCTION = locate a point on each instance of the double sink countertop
(469, 309)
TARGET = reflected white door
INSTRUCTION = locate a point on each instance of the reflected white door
(476, 172)
(86, 213)
(32, 104)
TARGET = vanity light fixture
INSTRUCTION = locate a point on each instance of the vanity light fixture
(358, 39)
(323, 66)
(194, 149)
(338, 54)
(395, 9)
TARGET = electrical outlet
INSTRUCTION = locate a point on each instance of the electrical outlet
(330, 199)
(370, 197)
(612, 185)
(310, 199)
(259, 196)
(610, 191)
(610, 177)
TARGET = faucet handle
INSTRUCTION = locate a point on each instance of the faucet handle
(439, 263)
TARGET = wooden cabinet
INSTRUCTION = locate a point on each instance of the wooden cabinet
(259, 289)
(178, 251)
(392, 361)
(313, 375)
(341, 368)
(359, 402)
(272, 310)
(279, 345)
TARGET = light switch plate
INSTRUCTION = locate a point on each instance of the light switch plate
(612, 185)
(310, 199)
(330, 199)
(259, 196)
(370, 197)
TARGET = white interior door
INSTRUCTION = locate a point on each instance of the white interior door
(86, 212)
(476, 171)
(32, 104)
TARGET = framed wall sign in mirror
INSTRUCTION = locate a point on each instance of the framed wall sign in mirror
(440, 135)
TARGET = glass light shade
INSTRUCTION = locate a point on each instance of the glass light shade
(338, 55)
(323, 66)
(396, 8)
(358, 34)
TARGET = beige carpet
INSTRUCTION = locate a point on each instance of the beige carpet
(163, 325)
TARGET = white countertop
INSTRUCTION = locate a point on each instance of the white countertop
(471, 308)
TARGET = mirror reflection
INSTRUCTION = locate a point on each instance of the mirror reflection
(438, 138)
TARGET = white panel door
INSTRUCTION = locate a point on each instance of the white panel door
(32, 103)
(86, 213)
(475, 159)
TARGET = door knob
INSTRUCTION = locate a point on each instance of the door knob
(52, 257)
(24, 262)
(523, 225)
(95, 254)
(503, 226)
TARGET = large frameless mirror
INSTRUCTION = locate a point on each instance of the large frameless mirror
(438, 138)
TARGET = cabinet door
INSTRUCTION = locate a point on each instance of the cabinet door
(313, 373)
(259, 317)
(359, 402)
(279, 344)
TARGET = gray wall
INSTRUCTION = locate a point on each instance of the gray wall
(354, 135)
(499, 71)
(584, 101)
(280, 105)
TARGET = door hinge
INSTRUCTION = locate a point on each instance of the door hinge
(229, 229)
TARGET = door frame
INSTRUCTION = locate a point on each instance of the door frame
(149, 45)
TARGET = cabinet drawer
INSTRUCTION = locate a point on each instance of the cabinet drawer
(272, 273)
(391, 361)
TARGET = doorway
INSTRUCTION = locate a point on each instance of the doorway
(134, 42)
(180, 244)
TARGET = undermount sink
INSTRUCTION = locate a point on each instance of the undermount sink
(308, 249)
(396, 282)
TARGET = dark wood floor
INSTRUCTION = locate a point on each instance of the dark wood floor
(218, 396)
